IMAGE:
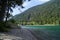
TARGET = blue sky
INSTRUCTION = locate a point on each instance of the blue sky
(28, 5)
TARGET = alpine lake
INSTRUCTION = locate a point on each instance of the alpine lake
(45, 32)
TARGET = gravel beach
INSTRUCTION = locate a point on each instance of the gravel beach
(17, 34)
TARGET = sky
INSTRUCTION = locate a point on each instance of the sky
(28, 5)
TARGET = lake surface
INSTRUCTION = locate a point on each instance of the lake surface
(42, 27)
(45, 32)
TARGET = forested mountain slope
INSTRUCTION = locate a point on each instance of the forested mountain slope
(48, 13)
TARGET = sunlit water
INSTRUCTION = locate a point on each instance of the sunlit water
(45, 32)
(41, 27)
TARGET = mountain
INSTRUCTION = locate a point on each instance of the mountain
(48, 13)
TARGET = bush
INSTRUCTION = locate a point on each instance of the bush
(4, 27)
(12, 21)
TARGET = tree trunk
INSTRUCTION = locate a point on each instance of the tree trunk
(2, 10)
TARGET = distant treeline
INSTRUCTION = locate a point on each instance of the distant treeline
(48, 13)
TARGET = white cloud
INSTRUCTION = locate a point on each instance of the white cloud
(30, 4)
(25, 4)
(34, 1)
(43, 0)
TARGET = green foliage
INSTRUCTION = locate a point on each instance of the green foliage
(6, 7)
(12, 21)
(48, 13)
(4, 27)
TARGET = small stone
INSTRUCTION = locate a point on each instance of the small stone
(7, 39)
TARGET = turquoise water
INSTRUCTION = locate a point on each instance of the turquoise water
(45, 32)
(43, 27)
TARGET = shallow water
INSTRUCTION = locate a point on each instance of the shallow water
(43, 27)
(45, 32)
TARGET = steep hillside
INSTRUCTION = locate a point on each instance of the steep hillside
(48, 13)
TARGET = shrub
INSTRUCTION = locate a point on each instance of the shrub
(4, 27)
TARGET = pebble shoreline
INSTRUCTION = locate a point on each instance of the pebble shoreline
(17, 34)
(9, 37)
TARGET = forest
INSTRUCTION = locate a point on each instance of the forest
(48, 13)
